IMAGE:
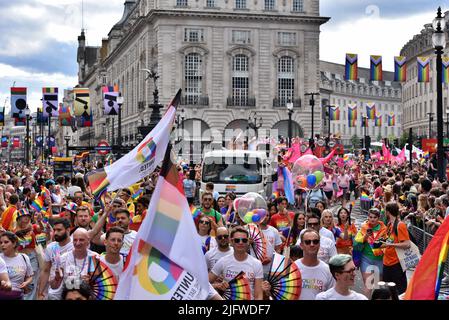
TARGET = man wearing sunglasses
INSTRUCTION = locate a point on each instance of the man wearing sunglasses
(343, 270)
(207, 202)
(230, 266)
(222, 249)
(316, 276)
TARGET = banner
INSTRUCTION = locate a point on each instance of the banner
(5, 141)
(65, 117)
(352, 115)
(82, 102)
(2, 116)
(40, 117)
(371, 110)
(351, 69)
(400, 69)
(376, 68)
(18, 102)
(423, 69)
(408, 258)
(50, 102)
(20, 122)
(335, 113)
(378, 121)
(391, 120)
(84, 122)
(110, 95)
(15, 142)
(445, 71)
(39, 141)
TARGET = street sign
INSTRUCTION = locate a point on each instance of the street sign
(103, 147)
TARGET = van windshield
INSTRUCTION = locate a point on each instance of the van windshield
(232, 170)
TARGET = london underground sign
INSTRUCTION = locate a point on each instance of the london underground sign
(103, 147)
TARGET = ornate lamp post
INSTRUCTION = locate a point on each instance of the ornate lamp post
(290, 112)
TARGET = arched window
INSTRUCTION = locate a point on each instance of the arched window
(240, 80)
(193, 77)
(286, 80)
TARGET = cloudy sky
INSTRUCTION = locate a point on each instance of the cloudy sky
(38, 38)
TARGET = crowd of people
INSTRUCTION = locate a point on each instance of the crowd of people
(47, 247)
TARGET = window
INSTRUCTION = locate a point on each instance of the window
(269, 5)
(240, 80)
(193, 77)
(298, 5)
(286, 80)
(240, 4)
(193, 35)
(241, 36)
(287, 38)
(210, 3)
(181, 3)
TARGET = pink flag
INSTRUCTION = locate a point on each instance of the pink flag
(308, 151)
(386, 152)
(328, 157)
(340, 162)
(400, 158)
(295, 153)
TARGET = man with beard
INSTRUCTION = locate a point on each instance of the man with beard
(52, 257)
(207, 201)
(122, 220)
(222, 249)
(82, 218)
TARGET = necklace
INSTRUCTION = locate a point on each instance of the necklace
(76, 267)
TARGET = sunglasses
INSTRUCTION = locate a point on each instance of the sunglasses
(204, 222)
(242, 240)
(207, 199)
(348, 271)
(313, 224)
(314, 241)
(225, 236)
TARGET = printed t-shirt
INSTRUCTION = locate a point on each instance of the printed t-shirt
(213, 255)
(19, 268)
(281, 222)
(314, 279)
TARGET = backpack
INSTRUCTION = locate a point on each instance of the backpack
(313, 198)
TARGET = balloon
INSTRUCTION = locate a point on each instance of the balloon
(248, 204)
(306, 166)
(256, 218)
(311, 180)
(319, 176)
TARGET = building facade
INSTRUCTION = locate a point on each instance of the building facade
(233, 59)
(419, 99)
(336, 91)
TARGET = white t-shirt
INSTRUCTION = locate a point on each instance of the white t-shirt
(212, 243)
(228, 268)
(213, 255)
(314, 279)
(18, 269)
(53, 254)
(116, 268)
(332, 294)
(3, 268)
(128, 241)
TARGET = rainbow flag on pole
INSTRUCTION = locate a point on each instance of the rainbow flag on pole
(352, 115)
(376, 68)
(335, 113)
(351, 70)
(166, 260)
(445, 71)
(400, 69)
(378, 121)
(423, 69)
(391, 120)
(371, 110)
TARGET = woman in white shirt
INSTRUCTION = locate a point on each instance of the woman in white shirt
(204, 226)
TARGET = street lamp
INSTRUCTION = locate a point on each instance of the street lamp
(439, 42)
(155, 116)
(252, 123)
(120, 101)
(27, 142)
(180, 121)
(312, 105)
(290, 112)
(67, 139)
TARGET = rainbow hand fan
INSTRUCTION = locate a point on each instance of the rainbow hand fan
(259, 242)
(239, 288)
(103, 281)
(285, 279)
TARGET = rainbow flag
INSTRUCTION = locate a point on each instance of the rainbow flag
(352, 115)
(288, 185)
(275, 195)
(364, 197)
(136, 195)
(346, 158)
(378, 121)
(334, 113)
(426, 154)
(376, 68)
(168, 240)
(195, 212)
(445, 71)
(371, 110)
(38, 204)
(8, 218)
(426, 280)
(45, 192)
(423, 69)
(391, 120)
(400, 69)
(351, 68)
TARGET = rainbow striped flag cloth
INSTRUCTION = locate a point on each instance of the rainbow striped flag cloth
(426, 280)
(445, 70)
(423, 69)
(378, 121)
(167, 240)
(376, 68)
(334, 113)
(45, 192)
(371, 110)
(38, 204)
(275, 195)
(351, 69)
(391, 120)
(346, 158)
(426, 154)
(364, 197)
(195, 211)
(136, 195)
(352, 115)
(400, 69)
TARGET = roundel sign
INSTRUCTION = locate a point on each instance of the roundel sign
(103, 147)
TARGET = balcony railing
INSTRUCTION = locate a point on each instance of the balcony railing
(195, 100)
(282, 103)
(241, 102)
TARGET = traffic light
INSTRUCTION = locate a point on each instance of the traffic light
(361, 143)
(367, 142)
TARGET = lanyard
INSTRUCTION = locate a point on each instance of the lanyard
(84, 262)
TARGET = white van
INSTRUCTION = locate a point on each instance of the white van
(238, 171)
